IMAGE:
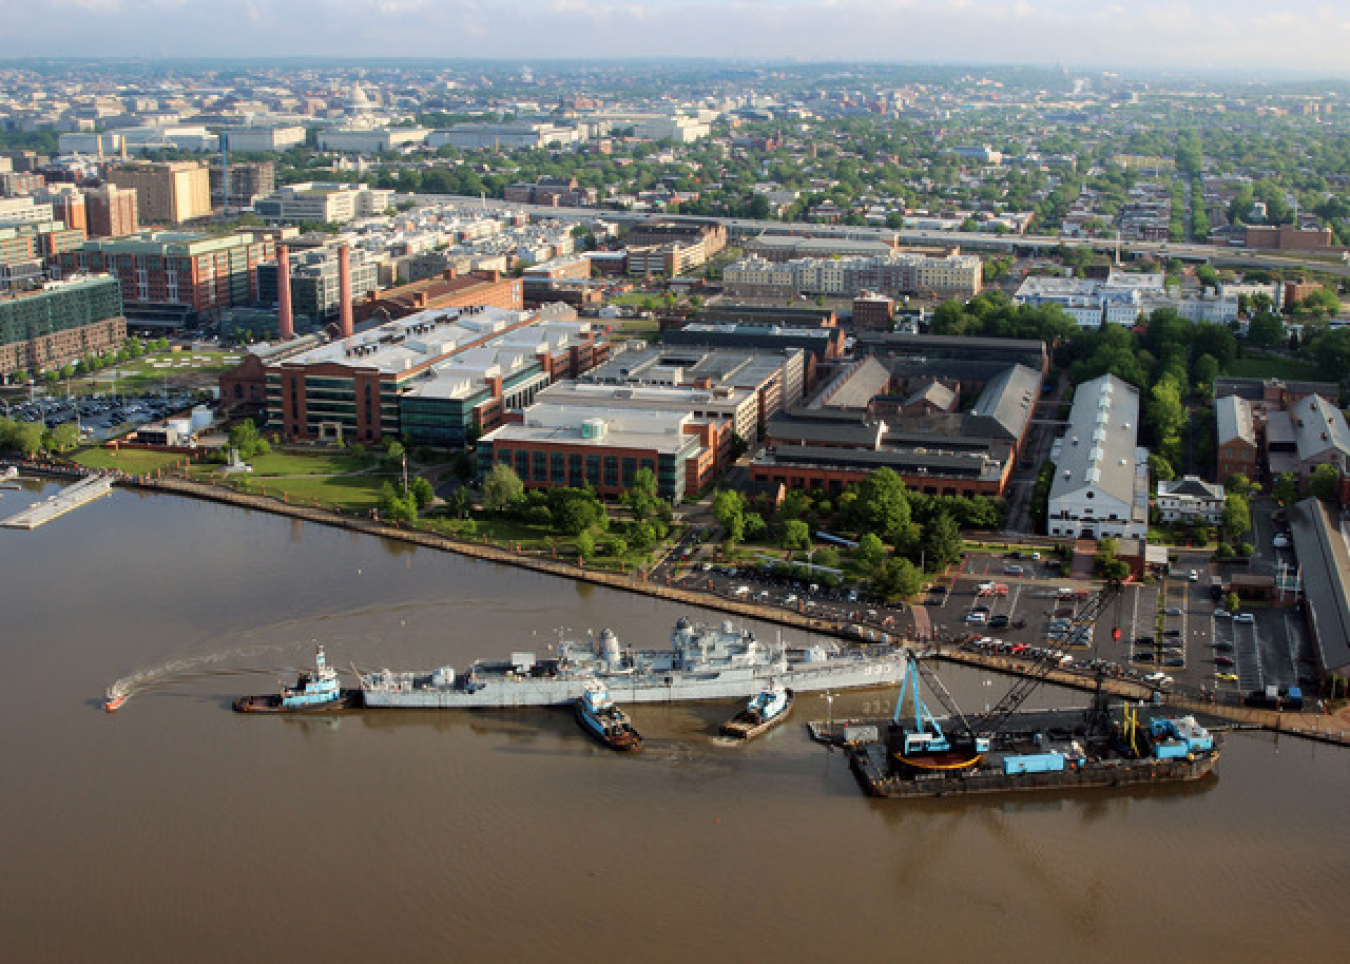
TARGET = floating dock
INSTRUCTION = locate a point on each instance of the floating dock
(69, 498)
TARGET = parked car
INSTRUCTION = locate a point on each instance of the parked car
(1244, 618)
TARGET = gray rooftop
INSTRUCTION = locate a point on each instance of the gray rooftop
(1324, 562)
(850, 432)
(855, 387)
(1005, 405)
(1319, 426)
(1098, 448)
(1233, 419)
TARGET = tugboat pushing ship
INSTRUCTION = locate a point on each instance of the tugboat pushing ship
(313, 692)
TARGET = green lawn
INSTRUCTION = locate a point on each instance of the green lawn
(1257, 366)
(319, 463)
(130, 461)
(345, 493)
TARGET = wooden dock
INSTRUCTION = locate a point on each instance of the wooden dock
(68, 499)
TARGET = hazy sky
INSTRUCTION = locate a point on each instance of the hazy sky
(1303, 35)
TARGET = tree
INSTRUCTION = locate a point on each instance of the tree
(502, 488)
(882, 505)
(796, 535)
(245, 439)
(1331, 351)
(422, 492)
(1237, 519)
(1265, 330)
(1160, 469)
(585, 545)
(729, 510)
(63, 437)
(1324, 483)
(641, 497)
(1106, 562)
(1285, 490)
(895, 578)
(871, 550)
(396, 507)
(573, 511)
(941, 541)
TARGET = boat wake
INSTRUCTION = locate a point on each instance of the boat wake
(190, 669)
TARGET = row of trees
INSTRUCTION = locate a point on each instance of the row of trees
(27, 439)
(900, 533)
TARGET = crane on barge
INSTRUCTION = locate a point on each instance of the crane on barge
(924, 745)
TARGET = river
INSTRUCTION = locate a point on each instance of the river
(176, 830)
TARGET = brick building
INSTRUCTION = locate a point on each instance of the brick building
(112, 212)
(60, 323)
(175, 279)
(448, 291)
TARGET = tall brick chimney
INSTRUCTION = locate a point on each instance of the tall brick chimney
(345, 291)
(285, 315)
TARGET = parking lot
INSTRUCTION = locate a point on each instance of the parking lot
(99, 416)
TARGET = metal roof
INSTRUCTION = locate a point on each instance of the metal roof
(1098, 448)
(1233, 419)
(1324, 562)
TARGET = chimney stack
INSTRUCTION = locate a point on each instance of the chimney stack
(345, 291)
(285, 316)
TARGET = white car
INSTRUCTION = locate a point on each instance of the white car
(977, 618)
(1158, 679)
(1244, 618)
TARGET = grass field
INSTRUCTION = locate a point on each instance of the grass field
(130, 461)
(1256, 366)
(195, 369)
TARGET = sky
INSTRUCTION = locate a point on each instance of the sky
(1306, 36)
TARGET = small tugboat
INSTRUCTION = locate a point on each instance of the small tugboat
(766, 709)
(312, 693)
(113, 700)
(599, 717)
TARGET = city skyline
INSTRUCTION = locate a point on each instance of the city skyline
(1303, 37)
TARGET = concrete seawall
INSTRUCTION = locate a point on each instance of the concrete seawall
(1326, 728)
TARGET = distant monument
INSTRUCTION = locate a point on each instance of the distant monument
(236, 464)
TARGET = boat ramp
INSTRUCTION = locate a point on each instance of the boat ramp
(71, 497)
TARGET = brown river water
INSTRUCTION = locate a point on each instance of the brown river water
(178, 831)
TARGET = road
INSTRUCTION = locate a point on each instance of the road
(1218, 255)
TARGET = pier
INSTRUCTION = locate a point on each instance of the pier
(71, 497)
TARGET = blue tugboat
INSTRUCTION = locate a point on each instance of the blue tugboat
(599, 717)
(766, 709)
(313, 692)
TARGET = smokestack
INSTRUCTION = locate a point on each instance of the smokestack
(345, 290)
(285, 317)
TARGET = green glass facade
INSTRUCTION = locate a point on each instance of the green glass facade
(71, 305)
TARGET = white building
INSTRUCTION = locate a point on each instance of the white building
(265, 138)
(505, 136)
(1191, 499)
(1092, 302)
(1101, 476)
(318, 201)
(361, 140)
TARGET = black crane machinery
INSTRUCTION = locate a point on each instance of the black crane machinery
(981, 730)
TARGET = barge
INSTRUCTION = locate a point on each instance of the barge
(920, 755)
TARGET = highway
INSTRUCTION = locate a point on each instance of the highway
(1013, 244)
